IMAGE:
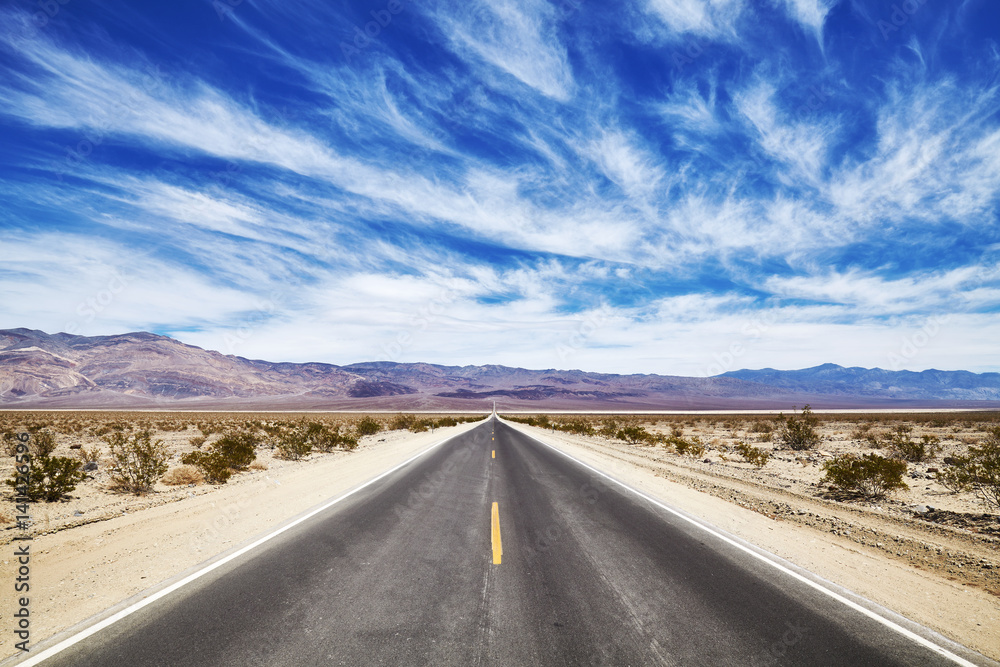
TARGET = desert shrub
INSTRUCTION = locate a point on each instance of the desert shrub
(751, 454)
(293, 446)
(676, 431)
(197, 440)
(421, 425)
(212, 464)
(861, 430)
(9, 443)
(577, 427)
(609, 428)
(692, 447)
(871, 475)
(257, 465)
(913, 450)
(89, 455)
(799, 433)
(238, 448)
(47, 478)
(136, 460)
(451, 421)
(978, 470)
(369, 426)
(402, 422)
(183, 475)
(43, 443)
(633, 434)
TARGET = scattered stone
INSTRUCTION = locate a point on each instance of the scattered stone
(920, 509)
(92, 465)
(78, 513)
(76, 446)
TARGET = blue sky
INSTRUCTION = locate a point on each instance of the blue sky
(669, 186)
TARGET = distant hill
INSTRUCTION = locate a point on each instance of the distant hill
(834, 380)
(144, 370)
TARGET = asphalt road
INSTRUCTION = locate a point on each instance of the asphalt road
(404, 573)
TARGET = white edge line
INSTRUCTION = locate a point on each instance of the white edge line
(778, 566)
(97, 627)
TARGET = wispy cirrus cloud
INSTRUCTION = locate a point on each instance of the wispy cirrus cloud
(515, 166)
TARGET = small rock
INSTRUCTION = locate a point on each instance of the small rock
(707, 461)
(919, 509)
(92, 465)
(76, 446)
(932, 470)
(78, 513)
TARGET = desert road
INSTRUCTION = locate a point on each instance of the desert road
(494, 549)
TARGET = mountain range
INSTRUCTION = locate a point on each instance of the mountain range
(144, 370)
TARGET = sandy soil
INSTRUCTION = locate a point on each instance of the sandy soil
(942, 577)
(122, 545)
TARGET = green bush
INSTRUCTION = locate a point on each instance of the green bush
(609, 428)
(799, 433)
(978, 470)
(692, 447)
(43, 443)
(47, 478)
(136, 461)
(402, 422)
(576, 427)
(212, 464)
(235, 450)
(10, 443)
(293, 446)
(751, 454)
(238, 448)
(368, 426)
(871, 475)
(633, 434)
(913, 450)
(446, 421)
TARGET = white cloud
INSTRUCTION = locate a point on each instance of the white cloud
(519, 38)
(811, 14)
(703, 17)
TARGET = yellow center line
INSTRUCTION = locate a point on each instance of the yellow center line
(497, 546)
(494, 453)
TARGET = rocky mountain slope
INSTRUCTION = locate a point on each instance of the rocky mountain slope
(144, 370)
